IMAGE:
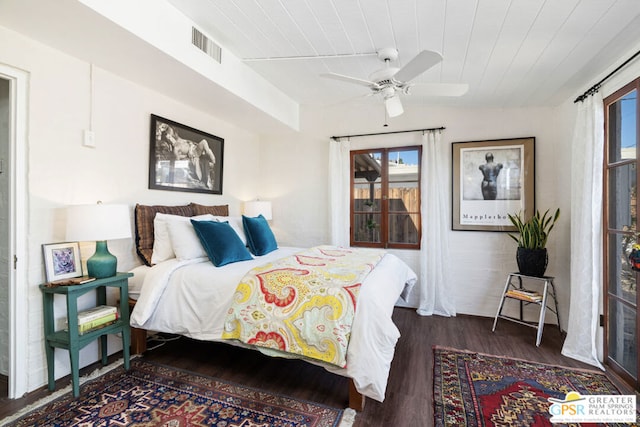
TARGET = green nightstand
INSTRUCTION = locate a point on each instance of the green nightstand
(71, 339)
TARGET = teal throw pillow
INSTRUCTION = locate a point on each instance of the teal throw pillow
(221, 242)
(260, 238)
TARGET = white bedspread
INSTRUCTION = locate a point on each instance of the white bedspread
(192, 297)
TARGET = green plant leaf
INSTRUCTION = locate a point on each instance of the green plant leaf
(534, 232)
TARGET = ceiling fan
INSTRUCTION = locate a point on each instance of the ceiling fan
(390, 81)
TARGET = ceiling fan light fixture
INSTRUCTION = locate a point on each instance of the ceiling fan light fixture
(390, 82)
(393, 106)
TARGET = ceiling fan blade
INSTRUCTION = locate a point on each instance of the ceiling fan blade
(349, 79)
(439, 89)
(418, 65)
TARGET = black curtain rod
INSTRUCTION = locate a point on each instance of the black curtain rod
(596, 87)
(388, 133)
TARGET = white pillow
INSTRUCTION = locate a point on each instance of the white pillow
(162, 249)
(162, 246)
(184, 240)
(236, 223)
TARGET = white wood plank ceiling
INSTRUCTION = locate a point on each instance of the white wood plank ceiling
(511, 53)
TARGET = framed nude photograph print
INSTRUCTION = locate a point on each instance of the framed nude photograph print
(492, 179)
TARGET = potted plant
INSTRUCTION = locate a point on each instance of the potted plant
(532, 238)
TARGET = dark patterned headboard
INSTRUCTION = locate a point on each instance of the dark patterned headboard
(144, 216)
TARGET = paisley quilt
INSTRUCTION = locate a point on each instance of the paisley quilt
(302, 304)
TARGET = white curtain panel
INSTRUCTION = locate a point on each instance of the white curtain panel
(339, 191)
(434, 286)
(586, 232)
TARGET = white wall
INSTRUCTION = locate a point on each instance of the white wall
(61, 171)
(480, 261)
(290, 169)
(295, 167)
(173, 38)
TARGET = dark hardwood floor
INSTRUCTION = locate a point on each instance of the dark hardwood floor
(409, 391)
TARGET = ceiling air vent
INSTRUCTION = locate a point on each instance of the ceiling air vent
(205, 44)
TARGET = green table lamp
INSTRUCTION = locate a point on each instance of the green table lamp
(99, 222)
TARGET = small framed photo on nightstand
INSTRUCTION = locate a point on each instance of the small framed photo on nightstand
(62, 260)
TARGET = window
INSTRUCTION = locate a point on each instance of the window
(385, 197)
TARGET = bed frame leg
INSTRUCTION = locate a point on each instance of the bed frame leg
(356, 400)
(138, 336)
(138, 341)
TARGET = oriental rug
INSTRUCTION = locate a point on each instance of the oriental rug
(474, 389)
(151, 394)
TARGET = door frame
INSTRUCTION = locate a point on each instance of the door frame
(18, 213)
(611, 363)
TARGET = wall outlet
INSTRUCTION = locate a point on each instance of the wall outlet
(89, 139)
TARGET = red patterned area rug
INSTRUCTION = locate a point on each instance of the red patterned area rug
(151, 394)
(475, 389)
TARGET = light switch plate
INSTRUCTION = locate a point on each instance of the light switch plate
(89, 139)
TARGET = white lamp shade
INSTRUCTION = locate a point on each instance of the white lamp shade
(393, 106)
(98, 222)
(258, 207)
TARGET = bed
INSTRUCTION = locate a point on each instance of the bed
(185, 293)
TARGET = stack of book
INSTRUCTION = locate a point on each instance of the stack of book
(97, 317)
(525, 295)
